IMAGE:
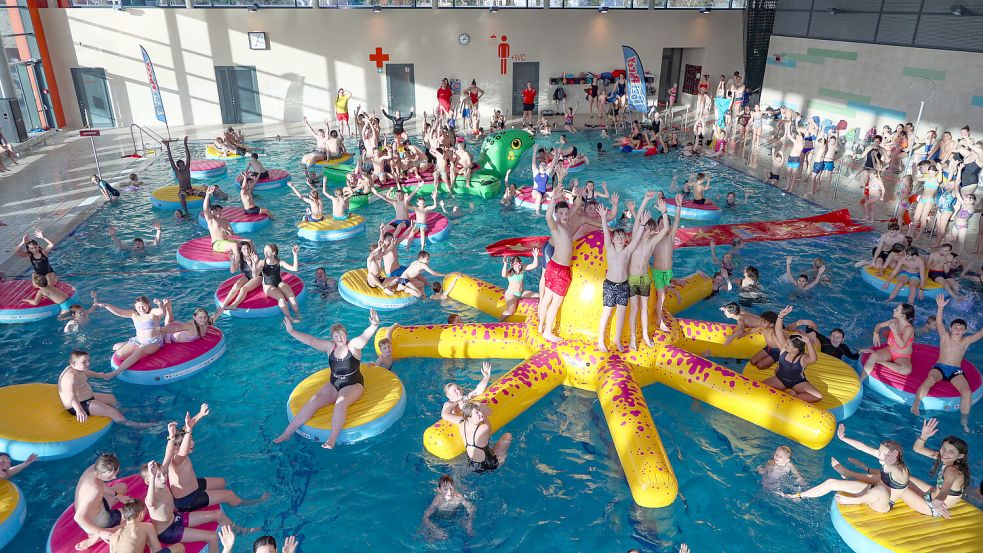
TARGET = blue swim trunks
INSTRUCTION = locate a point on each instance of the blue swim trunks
(829, 165)
(397, 272)
(948, 371)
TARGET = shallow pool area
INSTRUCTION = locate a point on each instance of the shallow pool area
(562, 488)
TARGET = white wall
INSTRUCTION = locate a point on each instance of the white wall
(314, 52)
(823, 77)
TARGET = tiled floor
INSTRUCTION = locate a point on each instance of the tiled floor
(51, 189)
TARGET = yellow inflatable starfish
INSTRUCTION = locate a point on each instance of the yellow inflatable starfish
(616, 378)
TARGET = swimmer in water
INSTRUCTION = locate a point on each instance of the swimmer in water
(801, 282)
(514, 270)
(38, 256)
(385, 358)
(456, 398)
(45, 291)
(9, 470)
(138, 245)
(448, 500)
(779, 467)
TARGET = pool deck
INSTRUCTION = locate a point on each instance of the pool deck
(47, 192)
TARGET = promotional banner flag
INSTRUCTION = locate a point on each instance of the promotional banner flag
(154, 90)
(635, 76)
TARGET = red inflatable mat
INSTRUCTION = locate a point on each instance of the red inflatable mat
(176, 353)
(827, 224)
(256, 298)
(239, 215)
(273, 176)
(66, 532)
(923, 358)
(13, 291)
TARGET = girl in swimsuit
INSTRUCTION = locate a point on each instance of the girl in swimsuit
(245, 261)
(965, 210)
(540, 178)
(474, 94)
(873, 193)
(514, 270)
(45, 290)
(568, 119)
(878, 489)
(146, 320)
(476, 432)
(951, 470)
(38, 256)
(932, 175)
(794, 357)
(273, 285)
(900, 338)
(346, 384)
(197, 327)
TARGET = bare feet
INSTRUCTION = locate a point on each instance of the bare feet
(283, 437)
(86, 543)
(328, 444)
(601, 346)
(648, 341)
(552, 337)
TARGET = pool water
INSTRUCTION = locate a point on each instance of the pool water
(562, 488)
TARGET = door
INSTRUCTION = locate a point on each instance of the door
(671, 63)
(92, 92)
(25, 95)
(402, 87)
(522, 72)
(238, 94)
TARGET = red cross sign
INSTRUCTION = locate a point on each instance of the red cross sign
(379, 58)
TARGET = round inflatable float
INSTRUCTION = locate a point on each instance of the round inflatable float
(835, 380)
(380, 406)
(239, 220)
(14, 310)
(439, 229)
(876, 279)
(577, 166)
(904, 529)
(694, 211)
(166, 197)
(344, 159)
(902, 387)
(211, 152)
(207, 168)
(198, 255)
(32, 420)
(257, 304)
(275, 179)
(66, 532)
(517, 246)
(524, 198)
(354, 289)
(13, 511)
(175, 361)
(330, 229)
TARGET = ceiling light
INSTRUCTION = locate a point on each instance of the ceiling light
(254, 7)
(493, 9)
(603, 9)
(958, 10)
(705, 11)
(376, 8)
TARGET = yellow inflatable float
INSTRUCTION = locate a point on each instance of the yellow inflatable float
(13, 511)
(380, 406)
(32, 420)
(835, 380)
(344, 158)
(354, 288)
(904, 530)
(166, 197)
(330, 229)
(211, 152)
(616, 378)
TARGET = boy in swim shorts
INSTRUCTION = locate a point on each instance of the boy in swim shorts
(557, 275)
(615, 289)
(662, 267)
(77, 396)
(953, 344)
(170, 525)
(639, 270)
(93, 512)
(135, 536)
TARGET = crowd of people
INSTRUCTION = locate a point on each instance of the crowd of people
(939, 173)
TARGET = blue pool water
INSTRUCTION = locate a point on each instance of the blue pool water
(562, 488)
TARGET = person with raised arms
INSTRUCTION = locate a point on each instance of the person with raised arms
(557, 275)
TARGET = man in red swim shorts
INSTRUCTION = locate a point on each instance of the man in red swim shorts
(557, 274)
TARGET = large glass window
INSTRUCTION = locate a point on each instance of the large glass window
(505, 4)
(27, 76)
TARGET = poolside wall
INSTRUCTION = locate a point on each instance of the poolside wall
(314, 52)
(870, 84)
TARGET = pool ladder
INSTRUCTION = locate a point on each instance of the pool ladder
(142, 151)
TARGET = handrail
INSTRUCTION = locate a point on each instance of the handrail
(143, 145)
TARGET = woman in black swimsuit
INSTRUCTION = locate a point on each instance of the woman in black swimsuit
(795, 355)
(38, 256)
(346, 384)
(273, 285)
(474, 427)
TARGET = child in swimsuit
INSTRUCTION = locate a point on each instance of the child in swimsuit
(514, 270)
(901, 336)
(951, 470)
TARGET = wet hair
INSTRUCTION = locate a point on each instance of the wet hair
(423, 255)
(946, 246)
(770, 316)
(217, 207)
(652, 224)
(385, 342)
(803, 276)
(276, 250)
(76, 355)
(445, 479)
(561, 205)
(911, 250)
(751, 272)
(908, 311)
(5, 455)
(897, 248)
(75, 307)
(732, 309)
(338, 327)
(784, 449)
(798, 343)
(332, 134)
(30, 243)
(962, 465)
(143, 299)
(469, 408)
(895, 447)
(838, 329)
(40, 281)
(254, 155)
(132, 509)
(958, 322)
(893, 226)
(436, 287)
(619, 232)
(106, 463)
(264, 541)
